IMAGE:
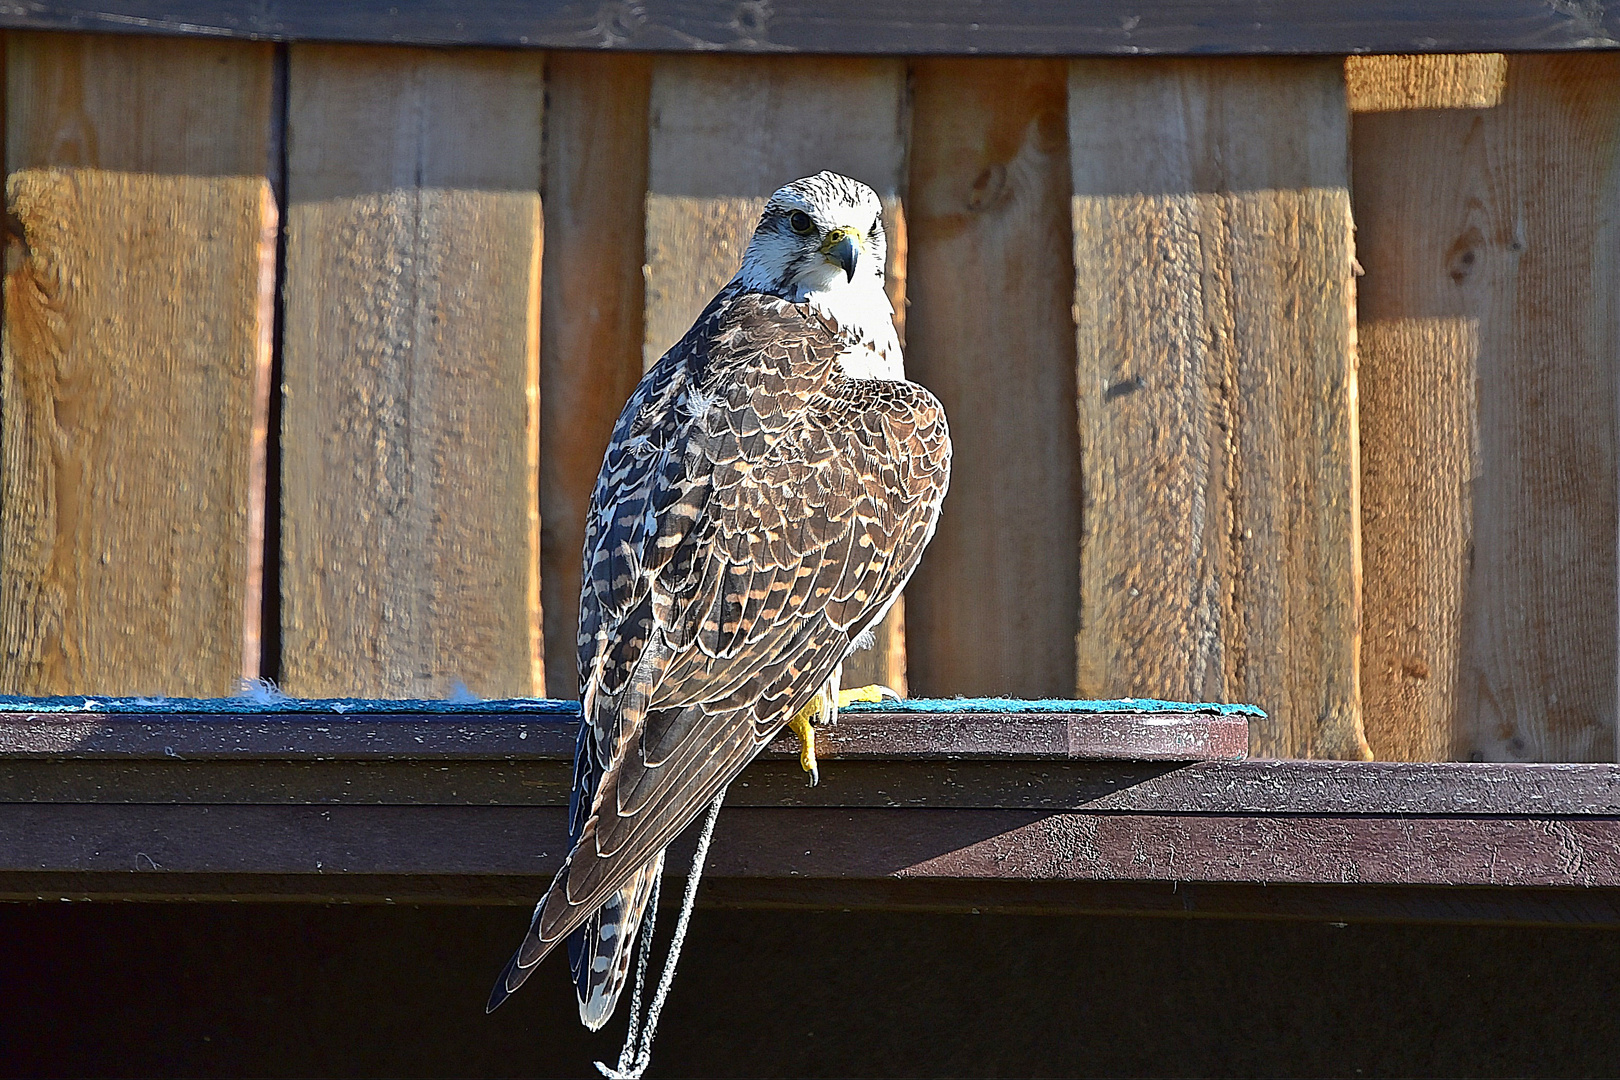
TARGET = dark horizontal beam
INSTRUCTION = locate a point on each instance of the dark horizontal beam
(897, 27)
(1047, 736)
(916, 810)
(169, 851)
(773, 782)
(1245, 788)
(1318, 903)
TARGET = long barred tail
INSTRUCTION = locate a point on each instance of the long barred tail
(599, 952)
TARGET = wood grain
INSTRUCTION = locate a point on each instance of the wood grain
(501, 735)
(119, 764)
(779, 782)
(1489, 327)
(724, 133)
(995, 602)
(1419, 383)
(1217, 392)
(810, 843)
(590, 343)
(410, 428)
(140, 265)
(954, 27)
(1403, 83)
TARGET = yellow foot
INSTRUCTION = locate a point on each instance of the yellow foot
(820, 710)
(875, 692)
(803, 725)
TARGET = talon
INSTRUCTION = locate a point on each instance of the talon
(803, 725)
(874, 692)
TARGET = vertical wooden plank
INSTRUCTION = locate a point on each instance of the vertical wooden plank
(994, 605)
(591, 336)
(1217, 391)
(1486, 193)
(410, 427)
(1418, 348)
(725, 132)
(134, 372)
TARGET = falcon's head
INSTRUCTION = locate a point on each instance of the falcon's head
(819, 237)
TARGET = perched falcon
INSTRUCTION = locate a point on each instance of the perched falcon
(768, 490)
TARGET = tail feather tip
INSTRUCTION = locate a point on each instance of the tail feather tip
(506, 985)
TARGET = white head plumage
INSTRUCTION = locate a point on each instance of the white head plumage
(821, 241)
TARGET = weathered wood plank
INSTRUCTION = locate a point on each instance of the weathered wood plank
(994, 604)
(590, 344)
(962, 27)
(812, 843)
(1458, 789)
(410, 522)
(861, 778)
(1419, 385)
(1298, 849)
(1488, 331)
(1217, 392)
(777, 781)
(1402, 83)
(1119, 762)
(134, 376)
(1119, 736)
(724, 133)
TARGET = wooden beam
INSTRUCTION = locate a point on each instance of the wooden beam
(994, 604)
(724, 134)
(474, 735)
(1217, 392)
(140, 278)
(499, 770)
(410, 429)
(590, 343)
(941, 27)
(774, 780)
(872, 845)
(1419, 379)
(1519, 906)
(1486, 201)
(915, 812)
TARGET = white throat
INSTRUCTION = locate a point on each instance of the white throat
(862, 311)
(820, 242)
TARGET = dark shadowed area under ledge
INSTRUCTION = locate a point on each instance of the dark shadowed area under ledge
(282, 990)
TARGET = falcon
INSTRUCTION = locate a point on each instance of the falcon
(768, 490)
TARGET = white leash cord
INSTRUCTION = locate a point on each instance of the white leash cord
(637, 1051)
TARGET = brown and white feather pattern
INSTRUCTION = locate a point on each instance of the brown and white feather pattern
(757, 510)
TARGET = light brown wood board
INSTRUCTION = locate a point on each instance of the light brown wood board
(134, 376)
(723, 134)
(1217, 391)
(1417, 349)
(590, 341)
(410, 520)
(990, 277)
(1486, 201)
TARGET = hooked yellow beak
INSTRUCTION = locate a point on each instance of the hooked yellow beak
(842, 247)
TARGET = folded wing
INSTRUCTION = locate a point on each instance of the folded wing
(756, 511)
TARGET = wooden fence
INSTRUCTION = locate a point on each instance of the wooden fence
(1287, 380)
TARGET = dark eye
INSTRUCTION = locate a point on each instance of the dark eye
(800, 222)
